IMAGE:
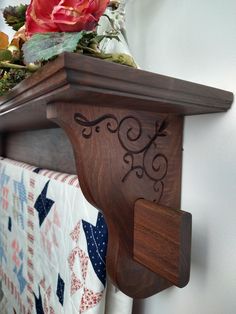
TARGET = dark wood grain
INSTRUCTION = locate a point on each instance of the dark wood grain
(125, 127)
(121, 156)
(168, 235)
(72, 77)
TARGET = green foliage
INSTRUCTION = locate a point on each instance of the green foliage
(10, 78)
(44, 46)
(120, 58)
(17, 62)
(15, 16)
(87, 38)
(5, 55)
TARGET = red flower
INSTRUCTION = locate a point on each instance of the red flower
(63, 15)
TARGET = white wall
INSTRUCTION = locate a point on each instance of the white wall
(196, 41)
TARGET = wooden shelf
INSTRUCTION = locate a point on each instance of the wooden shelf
(125, 127)
(72, 77)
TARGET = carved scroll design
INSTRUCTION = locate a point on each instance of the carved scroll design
(153, 164)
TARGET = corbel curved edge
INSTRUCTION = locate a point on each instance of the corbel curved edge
(124, 156)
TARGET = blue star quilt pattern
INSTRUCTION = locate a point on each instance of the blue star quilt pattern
(52, 244)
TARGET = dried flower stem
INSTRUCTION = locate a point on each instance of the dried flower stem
(7, 65)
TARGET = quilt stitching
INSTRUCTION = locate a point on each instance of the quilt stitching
(37, 233)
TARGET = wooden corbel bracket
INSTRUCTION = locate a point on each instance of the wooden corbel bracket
(126, 128)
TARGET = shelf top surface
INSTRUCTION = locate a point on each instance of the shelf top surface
(86, 80)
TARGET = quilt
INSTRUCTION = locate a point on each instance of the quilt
(52, 245)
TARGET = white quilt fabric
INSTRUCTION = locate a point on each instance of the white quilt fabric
(52, 246)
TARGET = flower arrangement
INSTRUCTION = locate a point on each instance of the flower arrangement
(44, 29)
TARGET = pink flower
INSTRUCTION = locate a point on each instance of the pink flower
(63, 15)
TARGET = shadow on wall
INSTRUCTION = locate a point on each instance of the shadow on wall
(200, 250)
(1, 293)
(153, 6)
(138, 307)
(137, 33)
